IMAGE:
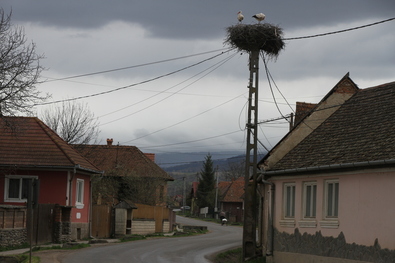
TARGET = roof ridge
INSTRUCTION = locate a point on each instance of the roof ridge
(61, 144)
(51, 135)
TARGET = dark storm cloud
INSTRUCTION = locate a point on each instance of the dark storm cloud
(195, 19)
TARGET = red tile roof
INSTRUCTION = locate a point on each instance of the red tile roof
(28, 142)
(232, 191)
(122, 160)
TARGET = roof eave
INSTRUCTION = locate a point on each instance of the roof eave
(328, 167)
(50, 167)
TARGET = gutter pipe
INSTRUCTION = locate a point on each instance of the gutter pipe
(270, 231)
(330, 167)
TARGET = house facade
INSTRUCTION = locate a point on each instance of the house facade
(31, 150)
(144, 180)
(328, 183)
(231, 198)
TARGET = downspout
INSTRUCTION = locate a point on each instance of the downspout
(90, 207)
(260, 218)
(270, 234)
(71, 185)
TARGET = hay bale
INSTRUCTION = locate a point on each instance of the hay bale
(257, 37)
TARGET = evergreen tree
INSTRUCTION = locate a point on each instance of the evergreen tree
(206, 188)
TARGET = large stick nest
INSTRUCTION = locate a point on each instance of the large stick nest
(257, 37)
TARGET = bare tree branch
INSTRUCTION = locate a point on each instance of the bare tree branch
(73, 122)
(20, 69)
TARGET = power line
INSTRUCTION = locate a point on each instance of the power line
(198, 140)
(201, 113)
(137, 66)
(172, 94)
(340, 31)
(132, 85)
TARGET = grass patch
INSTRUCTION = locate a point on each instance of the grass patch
(70, 246)
(19, 259)
(25, 259)
(132, 238)
(76, 246)
(25, 245)
(235, 256)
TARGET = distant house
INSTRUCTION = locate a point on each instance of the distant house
(144, 179)
(31, 150)
(231, 198)
(329, 183)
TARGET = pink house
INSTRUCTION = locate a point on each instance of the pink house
(329, 183)
(31, 150)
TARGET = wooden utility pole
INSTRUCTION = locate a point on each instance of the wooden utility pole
(250, 199)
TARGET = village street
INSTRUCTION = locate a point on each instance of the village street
(178, 249)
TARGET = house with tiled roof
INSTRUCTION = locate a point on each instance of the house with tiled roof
(29, 149)
(231, 197)
(145, 181)
(328, 185)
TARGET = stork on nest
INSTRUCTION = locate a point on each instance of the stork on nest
(257, 37)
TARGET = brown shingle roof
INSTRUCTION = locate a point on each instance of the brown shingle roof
(28, 142)
(122, 160)
(232, 191)
(361, 130)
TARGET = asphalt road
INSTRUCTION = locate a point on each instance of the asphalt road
(192, 249)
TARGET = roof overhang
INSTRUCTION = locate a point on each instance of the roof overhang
(330, 167)
(49, 168)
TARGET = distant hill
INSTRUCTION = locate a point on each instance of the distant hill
(193, 162)
(187, 166)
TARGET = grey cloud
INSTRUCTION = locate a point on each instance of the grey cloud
(195, 19)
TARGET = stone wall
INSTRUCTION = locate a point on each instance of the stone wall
(166, 226)
(143, 227)
(13, 237)
(79, 231)
(319, 245)
(62, 232)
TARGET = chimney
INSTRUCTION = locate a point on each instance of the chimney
(151, 156)
(109, 142)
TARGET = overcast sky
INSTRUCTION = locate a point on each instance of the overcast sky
(203, 107)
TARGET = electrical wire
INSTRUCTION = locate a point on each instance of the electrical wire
(185, 120)
(222, 62)
(192, 141)
(132, 85)
(270, 85)
(215, 66)
(140, 65)
(340, 31)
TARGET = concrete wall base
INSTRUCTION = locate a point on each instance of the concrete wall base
(287, 257)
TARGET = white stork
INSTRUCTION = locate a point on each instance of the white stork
(240, 16)
(260, 17)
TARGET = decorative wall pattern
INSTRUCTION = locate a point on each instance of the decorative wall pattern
(330, 247)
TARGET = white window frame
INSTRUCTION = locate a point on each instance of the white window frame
(309, 200)
(331, 199)
(79, 193)
(19, 199)
(289, 201)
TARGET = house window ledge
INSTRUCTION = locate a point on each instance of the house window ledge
(79, 206)
(329, 224)
(287, 223)
(308, 223)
